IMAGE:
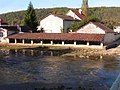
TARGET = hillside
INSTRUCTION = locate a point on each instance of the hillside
(18, 17)
(108, 15)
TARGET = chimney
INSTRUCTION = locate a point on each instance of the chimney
(19, 28)
(80, 11)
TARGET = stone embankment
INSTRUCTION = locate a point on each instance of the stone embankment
(94, 52)
(73, 51)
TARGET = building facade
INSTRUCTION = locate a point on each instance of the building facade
(98, 28)
(54, 23)
(6, 31)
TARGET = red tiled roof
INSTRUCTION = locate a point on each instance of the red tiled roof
(2, 21)
(81, 16)
(59, 36)
(97, 24)
(103, 27)
(64, 17)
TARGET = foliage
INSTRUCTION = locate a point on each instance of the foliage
(30, 18)
(109, 16)
(76, 25)
(41, 30)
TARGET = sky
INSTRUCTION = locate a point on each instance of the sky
(17, 5)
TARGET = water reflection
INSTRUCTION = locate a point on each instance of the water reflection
(31, 52)
(29, 65)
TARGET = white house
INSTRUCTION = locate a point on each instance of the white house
(76, 14)
(98, 28)
(117, 29)
(55, 23)
(6, 31)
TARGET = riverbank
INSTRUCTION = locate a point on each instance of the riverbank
(74, 51)
(94, 52)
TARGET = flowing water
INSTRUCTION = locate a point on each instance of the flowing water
(49, 67)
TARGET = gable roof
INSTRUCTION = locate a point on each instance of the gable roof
(3, 22)
(58, 36)
(64, 17)
(25, 28)
(101, 26)
(10, 28)
(81, 16)
(16, 28)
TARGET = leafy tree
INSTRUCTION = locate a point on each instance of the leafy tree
(76, 25)
(30, 18)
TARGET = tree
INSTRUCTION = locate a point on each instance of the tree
(85, 7)
(76, 25)
(30, 19)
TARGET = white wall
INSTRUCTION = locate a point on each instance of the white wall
(70, 13)
(109, 38)
(52, 24)
(5, 34)
(117, 29)
(91, 28)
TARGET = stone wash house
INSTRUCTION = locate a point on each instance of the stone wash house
(92, 34)
(57, 39)
(55, 23)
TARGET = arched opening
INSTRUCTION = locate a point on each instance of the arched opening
(1, 34)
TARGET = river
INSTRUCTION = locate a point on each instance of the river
(50, 68)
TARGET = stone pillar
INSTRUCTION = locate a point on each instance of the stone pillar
(31, 41)
(63, 43)
(41, 42)
(51, 42)
(15, 41)
(51, 53)
(23, 51)
(32, 53)
(23, 41)
(101, 44)
(74, 42)
(88, 43)
(41, 52)
(8, 40)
